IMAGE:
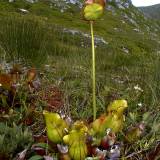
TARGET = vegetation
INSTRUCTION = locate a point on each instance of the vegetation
(58, 44)
(13, 139)
(152, 11)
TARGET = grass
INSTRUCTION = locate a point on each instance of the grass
(23, 38)
(35, 45)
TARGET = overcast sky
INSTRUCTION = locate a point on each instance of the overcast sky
(145, 2)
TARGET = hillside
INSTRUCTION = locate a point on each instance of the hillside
(54, 32)
(120, 20)
(151, 11)
(46, 63)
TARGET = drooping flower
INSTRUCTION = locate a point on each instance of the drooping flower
(93, 9)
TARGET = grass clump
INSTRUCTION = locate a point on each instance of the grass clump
(23, 38)
(12, 140)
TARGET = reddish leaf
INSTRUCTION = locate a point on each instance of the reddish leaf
(31, 74)
(108, 140)
(15, 73)
(155, 153)
(53, 97)
(40, 138)
(5, 81)
(39, 151)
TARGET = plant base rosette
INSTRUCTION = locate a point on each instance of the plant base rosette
(79, 141)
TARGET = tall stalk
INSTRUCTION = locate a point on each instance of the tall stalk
(93, 73)
(92, 11)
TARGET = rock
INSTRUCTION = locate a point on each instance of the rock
(125, 50)
(121, 4)
(24, 11)
(132, 21)
(111, 8)
(98, 40)
(66, 4)
(11, 1)
(32, 1)
(136, 30)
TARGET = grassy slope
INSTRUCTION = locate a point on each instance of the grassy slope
(117, 72)
(152, 11)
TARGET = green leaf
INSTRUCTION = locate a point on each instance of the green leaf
(55, 126)
(43, 145)
(36, 157)
(76, 141)
(146, 116)
(4, 100)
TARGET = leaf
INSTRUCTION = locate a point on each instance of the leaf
(40, 138)
(16, 69)
(76, 141)
(48, 158)
(40, 148)
(146, 116)
(134, 133)
(4, 100)
(5, 81)
(36, 157)
(117, 105)
(56, 126)
(155, 153)
(31, 74)
(42, 145)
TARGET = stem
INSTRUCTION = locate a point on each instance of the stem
(93, 72)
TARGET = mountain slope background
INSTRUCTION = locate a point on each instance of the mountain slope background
(120, 20)
(151, 11)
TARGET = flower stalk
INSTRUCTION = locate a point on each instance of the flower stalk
(93, 10)
(93, 73)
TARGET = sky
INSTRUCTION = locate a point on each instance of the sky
(145, 2)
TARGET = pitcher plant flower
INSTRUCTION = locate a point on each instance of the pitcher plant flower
(93, 10)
